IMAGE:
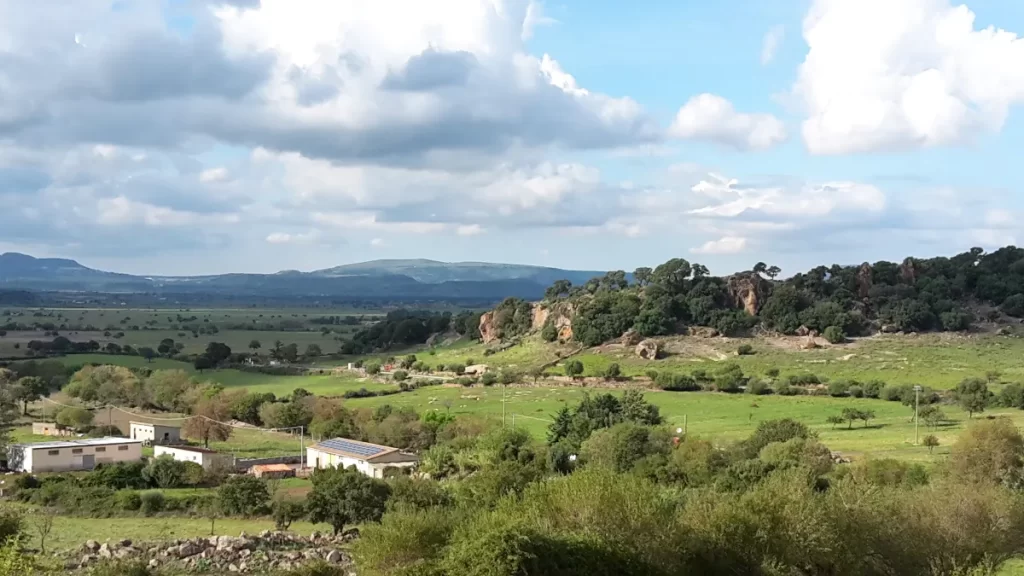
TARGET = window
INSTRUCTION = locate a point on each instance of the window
(53, 452)
(101, 448)
(76, 450)
(122, 448)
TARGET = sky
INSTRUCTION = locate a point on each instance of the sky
(211, 136)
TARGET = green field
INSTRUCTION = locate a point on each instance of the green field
(148, 326)
(936, 360)
(712, 415)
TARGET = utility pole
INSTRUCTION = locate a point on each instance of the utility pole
(302, 445)
(917, 418)
(502, 405)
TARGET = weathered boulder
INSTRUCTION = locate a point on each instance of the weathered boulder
(888, 329)
(810, 343)
(748, 291)
(631, 338)
(488, 331)
(806, 332)
(648, 350)
(908, 271)
(188, 549)
(92, 545)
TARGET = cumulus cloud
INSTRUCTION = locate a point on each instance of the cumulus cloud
(724, 245)
(770, 44)
(713, 118)
(885, 75)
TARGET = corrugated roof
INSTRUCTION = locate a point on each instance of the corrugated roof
(188, 448)
(109, 440)
(353, 448)
(156, 424)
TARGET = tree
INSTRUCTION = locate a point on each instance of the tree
(760, 268)
(835, 419)
(205, 424)
(408, 361)
(342, 496)
(147, 353)
(202, 362)
(217, 352)
(28, 389)
(535, 373)
(313, 351)
(165, 472)
(74, 418)
(834, 334)
(243, 495)
(290, 353)
(573, 368)
(642, 276)
(932, 415)
(613, 372)
(286, 512)
(372, 368)
(972, 395)
(989, 451)
(42, 521)
(931, 441)
(254, 345)
(773, 272)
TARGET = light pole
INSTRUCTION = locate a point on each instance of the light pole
(917, 418)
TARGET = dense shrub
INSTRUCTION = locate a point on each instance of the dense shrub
(745, 350)
(834, 334)
(151, 502)
(676, 382)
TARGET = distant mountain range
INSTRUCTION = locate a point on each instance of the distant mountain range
(378, 279)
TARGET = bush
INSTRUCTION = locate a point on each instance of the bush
(838, 388)
(873, 388)
(488, 378)
(244, 495)
(372, 367)
(758, 388)
(151, 502)
(652, 374)
(803, 379)
(855, 392)
(128, 500)
(745, 350)
(11, 524)
(834, 334)
(287, 511)
(676, 382)
(399, 375)
(784, 389)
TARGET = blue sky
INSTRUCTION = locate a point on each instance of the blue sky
(202, 136)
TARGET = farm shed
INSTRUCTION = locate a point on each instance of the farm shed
(272, 471)
(49, 429)
(155, 433)
(203, 456)
(69, 455)
(370, 459)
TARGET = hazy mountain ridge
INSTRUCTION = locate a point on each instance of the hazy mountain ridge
(380, 278)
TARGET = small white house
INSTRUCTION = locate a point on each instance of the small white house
(155, 433)
(203, 456)
(69, 455)
(370, 459)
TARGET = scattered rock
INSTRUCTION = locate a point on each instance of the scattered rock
(334, 557)
(810, 343)
(92, 545)
(648, 350)
(888, 329)
(702, 332)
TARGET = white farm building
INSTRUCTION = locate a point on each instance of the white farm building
(69, 455)
(370, 459)
(155, 433)
(203, 456)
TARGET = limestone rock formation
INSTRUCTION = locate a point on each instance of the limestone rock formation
(749, 291)
(806, 332)
(908, 271)
(560, 313)
(864, 280)
(631, 338)
(488, 332)
(648, 350)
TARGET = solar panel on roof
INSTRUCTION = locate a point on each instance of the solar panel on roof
(352, 447)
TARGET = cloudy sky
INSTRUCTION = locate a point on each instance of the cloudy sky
(201, 136)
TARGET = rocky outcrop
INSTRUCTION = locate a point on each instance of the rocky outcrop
(864, 280)
(648, 350)
(807, 332)
(908, 271)
(631, 338)
(559, 313)
(488, 331)
(748, 291)
(222, 554)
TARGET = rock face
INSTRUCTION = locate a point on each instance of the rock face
(488, 332)
(864, 280)
(560, 313)
(748, 291)
(908, 271)
(805, 331)
(631, 338)
(245, 554)
(648, 350)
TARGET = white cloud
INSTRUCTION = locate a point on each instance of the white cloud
(724, 245)
(377, 242)
(890, 75)
(289, 238)
(713, 118)
(770, 44)
(120, 211)
(809, 200)
(210, 175)
(469, 230)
